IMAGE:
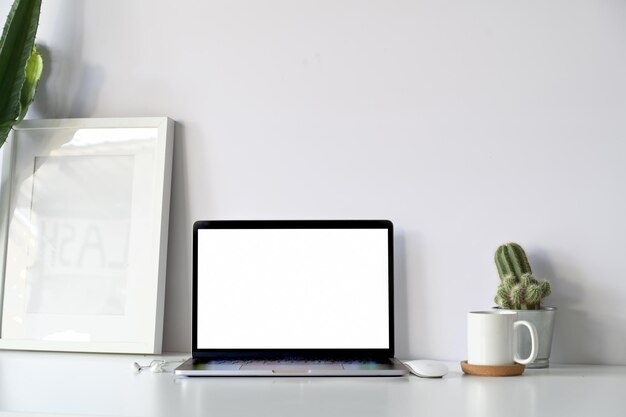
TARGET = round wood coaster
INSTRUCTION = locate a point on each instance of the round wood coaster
(485, 370)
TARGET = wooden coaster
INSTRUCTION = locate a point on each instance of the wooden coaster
(485, 370)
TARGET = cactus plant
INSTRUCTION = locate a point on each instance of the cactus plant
(20, 63)
(518, 289)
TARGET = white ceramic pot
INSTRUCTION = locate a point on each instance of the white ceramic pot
(543, 320)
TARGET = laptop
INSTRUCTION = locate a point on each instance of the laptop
(292, 298)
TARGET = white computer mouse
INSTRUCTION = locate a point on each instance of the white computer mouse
(427, 369)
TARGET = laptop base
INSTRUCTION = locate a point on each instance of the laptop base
(203, 367)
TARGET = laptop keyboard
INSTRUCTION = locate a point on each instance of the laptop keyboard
(293, 366)
(295, 361)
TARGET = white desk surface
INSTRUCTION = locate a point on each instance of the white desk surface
(43, 384)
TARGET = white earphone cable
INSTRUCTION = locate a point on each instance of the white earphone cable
(156, 365)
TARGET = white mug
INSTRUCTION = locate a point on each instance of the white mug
(491, 338)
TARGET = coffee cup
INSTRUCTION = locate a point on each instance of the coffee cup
(492, 341)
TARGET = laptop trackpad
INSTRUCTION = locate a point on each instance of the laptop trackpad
(295, 367)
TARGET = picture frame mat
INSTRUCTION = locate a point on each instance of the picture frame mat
(148, 319)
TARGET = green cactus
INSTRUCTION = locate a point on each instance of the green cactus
(20, 63)
(518, 289)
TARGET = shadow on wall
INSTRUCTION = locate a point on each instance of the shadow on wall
(400, 298)
(412, 318)
(177, 319)
(69, 87)
(581, 336)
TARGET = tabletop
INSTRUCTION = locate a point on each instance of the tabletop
(42, 384)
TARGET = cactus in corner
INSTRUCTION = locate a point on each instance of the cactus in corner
(20, 63)
(518, 289)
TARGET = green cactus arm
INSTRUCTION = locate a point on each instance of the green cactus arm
(521, 265)
(517, 296)
(16, 48)
(503, 292)
(511, 259)
(509, 282)
(501, 262)
(546, 289)
(527, 279)
(533, 294)
(502, 302)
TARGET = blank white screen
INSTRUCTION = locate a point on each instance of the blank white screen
(293, 289)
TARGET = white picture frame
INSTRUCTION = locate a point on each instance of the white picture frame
(84, 213)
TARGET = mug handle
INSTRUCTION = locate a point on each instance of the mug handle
(533, 342)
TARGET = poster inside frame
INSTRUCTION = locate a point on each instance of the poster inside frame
(84, 213)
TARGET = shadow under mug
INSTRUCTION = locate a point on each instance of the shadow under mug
(492, 340)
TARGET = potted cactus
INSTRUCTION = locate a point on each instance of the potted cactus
(519, 290)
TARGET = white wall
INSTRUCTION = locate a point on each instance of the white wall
(467, 123)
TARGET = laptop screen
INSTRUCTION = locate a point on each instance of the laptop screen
(292, 285)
